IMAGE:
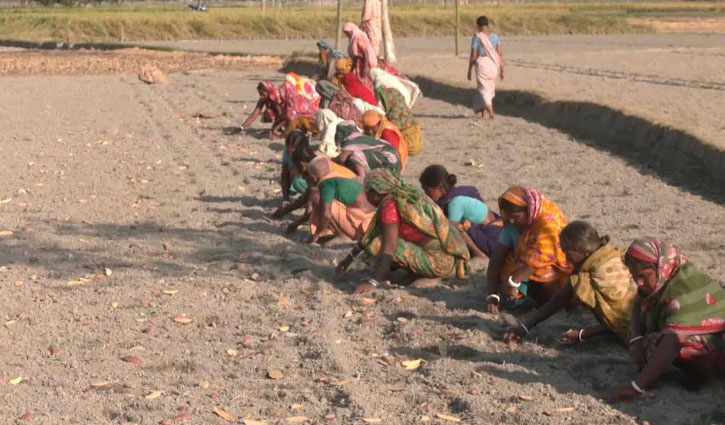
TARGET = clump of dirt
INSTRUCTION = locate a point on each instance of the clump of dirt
(123, 61)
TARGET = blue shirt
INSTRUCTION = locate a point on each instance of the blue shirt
(466, 208)
(476, 43)
(509, 236)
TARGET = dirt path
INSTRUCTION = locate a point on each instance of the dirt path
(107, 173)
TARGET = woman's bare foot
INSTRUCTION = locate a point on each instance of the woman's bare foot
(425, 282)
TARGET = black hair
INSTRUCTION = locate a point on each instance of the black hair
(582, 236)
(435, 175)
(295, 138)
(303, 154)
(508, 207)
(482, 21)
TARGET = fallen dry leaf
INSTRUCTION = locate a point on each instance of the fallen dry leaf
(182, 319)
(223, 414)
(402, 319)
(425, 418)
(411, 364)
(296, 406)
(347, 314)
(253, 422)
(75, 282)
(526, 398)
(170, 291)
(284, 328)
(5, 233)
(448, 418)
(16, 381)
(275, 374)
(27, 416)
(132, 359)
(205, 384)
(340, 383)
(296, 419)
(100, 384)
(108, 272)
(369, 300)
(512, 409)
(372, 420)
(154, 395)
(232, 352)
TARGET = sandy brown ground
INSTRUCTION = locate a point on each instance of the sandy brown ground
(105, 172)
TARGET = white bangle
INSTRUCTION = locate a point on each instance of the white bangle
(512, 283)
(635, 339)
(580, 335)
(524, 328)
(374, 282)
(494, 296)
(637, 388)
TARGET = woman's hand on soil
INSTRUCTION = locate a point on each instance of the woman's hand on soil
(501, 73)
(364, 288)
(492, 307)
(469, 75)
(291, 228)
(513, 336)
(570, 337)
(510, 292)
(622, 394)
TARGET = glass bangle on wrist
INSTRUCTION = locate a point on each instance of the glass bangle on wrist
(581, 332)
(522, 326)
(374, 282)
(637, 387)
(635, 339)
(512, 283)
(493, 296)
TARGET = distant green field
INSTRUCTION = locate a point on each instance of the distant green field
(110, 24)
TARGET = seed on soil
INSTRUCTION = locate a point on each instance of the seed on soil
(132, 359)
(223, 414)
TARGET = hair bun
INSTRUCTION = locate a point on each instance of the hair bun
(452, 180)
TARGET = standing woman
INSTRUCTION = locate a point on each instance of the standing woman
(360, 50)
(487, 57)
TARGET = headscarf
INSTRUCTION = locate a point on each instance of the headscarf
(407, 88)
(337, 54)
(395, 107)
(272, 92)
(376, 119)
(686, 302)
(421, 212)
(666, 256)
(371, 119)
(360, 45)
(538, 245)
(326, 89)
(527, 198)
(301, 99)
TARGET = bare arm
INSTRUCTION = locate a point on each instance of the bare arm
(499, 50)
(472, 247)
(385, 258)
(325, 212)
(254, 114)
(472, 61)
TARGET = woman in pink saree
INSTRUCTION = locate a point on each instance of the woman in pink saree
(360, 50)
(487, 57)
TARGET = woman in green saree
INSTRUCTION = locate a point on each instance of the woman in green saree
(679, 319)
(398, 112)
(410, 230)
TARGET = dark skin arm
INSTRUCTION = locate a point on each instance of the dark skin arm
(493, 273)
(385, 258)
(285, 180)
(325, 212)
(499, 50)
(255, 113)
(275, 132)
(297, 204)
(292, 227)
(662, 359)
(472, 247)
(636, 349)
(471, 62)
(555, 304)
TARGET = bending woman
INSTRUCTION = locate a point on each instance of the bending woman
(270, 105)
(487, 58)
(363, 154)
(398, 112)
(360, 50)
(529, 260)
(464, 208)
(375, 124)
(411, 231)
(339, 203)
(601, 282)
(679, 318)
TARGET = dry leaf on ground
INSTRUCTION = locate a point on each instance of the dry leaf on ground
(253, 422)
(411, 364)
(182, 319)
(275, 374)
(223, 414)
(372, 420)
(154, 395)
(448, 418)
(16, 381)
(132, 359)
(296, 419)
